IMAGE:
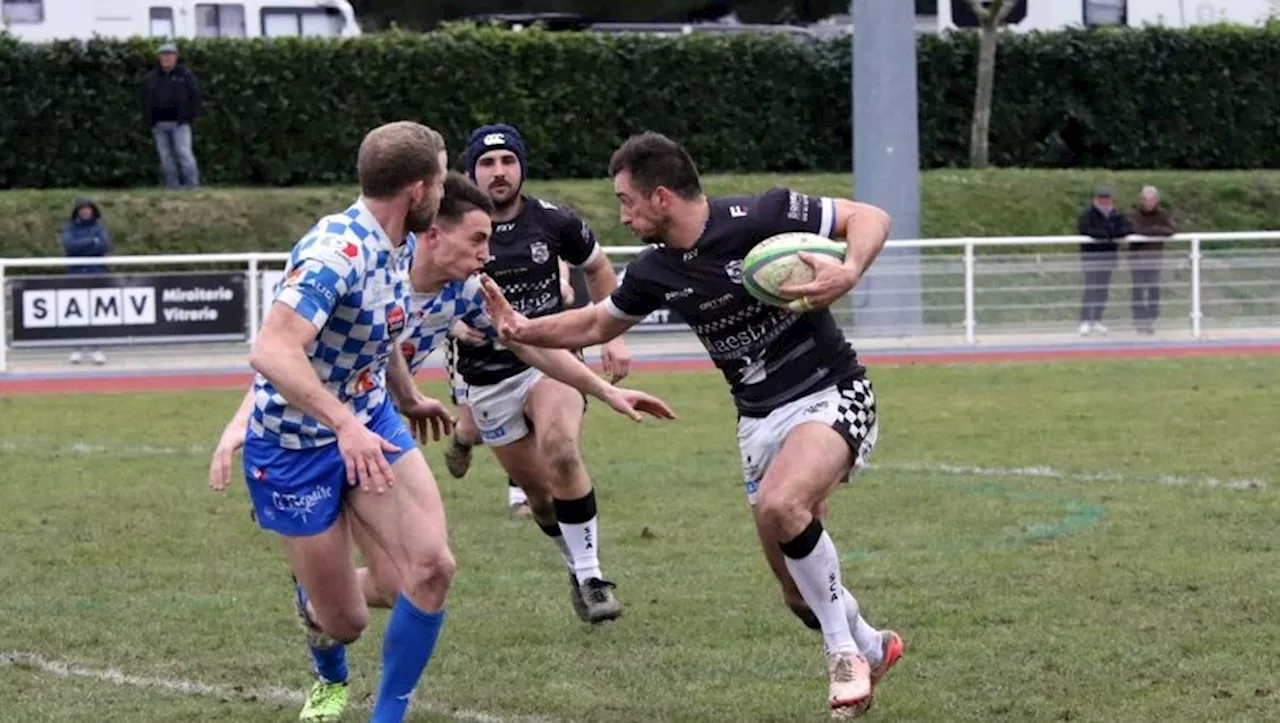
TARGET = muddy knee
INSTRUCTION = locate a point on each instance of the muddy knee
(561, 454)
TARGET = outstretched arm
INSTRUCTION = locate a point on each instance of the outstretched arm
(563, 366)
(573, 329)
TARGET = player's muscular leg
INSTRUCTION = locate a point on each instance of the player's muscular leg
(556, 411)
(379, 578)
(812, 462)
(520, 459)
(406, 526)
(773, 555)
(322, 565)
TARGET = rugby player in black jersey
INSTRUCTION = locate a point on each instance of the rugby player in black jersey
(531, 422)
(806, 410)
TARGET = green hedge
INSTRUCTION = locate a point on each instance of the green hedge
(292, 112)
(953, 203)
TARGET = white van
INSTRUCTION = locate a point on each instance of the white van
(1050, 15)
(43, 20)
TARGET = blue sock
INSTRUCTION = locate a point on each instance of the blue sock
(406, 648)
(330, 664)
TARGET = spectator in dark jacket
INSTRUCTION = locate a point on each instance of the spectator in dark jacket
(1145, 257)
(86, 235)
(1104, 224)
(171, 103)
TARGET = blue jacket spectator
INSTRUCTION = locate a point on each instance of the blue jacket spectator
(86, 235)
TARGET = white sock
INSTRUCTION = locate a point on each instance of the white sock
(580, 542)
(817, 575)
(867, 637)
(515, 495)
(581, 537)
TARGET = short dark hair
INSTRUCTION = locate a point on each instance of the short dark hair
(395, 155)
(461, 196)
(655, 160)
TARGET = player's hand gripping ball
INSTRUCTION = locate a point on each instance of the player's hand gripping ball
(775, 263)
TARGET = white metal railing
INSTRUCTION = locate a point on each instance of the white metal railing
(1040, 285)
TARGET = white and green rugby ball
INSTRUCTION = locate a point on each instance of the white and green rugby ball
(775, 262)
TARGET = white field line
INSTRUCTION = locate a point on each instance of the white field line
(1042, 472)
(111, 676)
(1031, 472)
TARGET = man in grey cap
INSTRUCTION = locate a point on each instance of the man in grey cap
(171, 103)
(1102, 223)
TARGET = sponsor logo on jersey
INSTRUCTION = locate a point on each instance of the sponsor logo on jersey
(351, 250)
(395, 320)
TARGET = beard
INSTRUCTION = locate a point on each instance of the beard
(504, 196)
(420, 218)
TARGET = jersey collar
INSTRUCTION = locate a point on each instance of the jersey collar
(366, 218)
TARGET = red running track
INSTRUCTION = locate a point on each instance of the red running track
(142, 382)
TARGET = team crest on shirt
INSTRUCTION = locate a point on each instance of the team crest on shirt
(541, 254)
(734, 270)
(395, 320)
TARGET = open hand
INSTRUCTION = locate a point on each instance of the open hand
(634, 404)
(428, 418)
(831, 281)
(364, 453)
(507, 321)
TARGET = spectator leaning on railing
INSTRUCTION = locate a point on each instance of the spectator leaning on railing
(1103, 223)
(1145, 257)
(86, 235)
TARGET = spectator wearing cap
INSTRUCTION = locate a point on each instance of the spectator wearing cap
(1104, 225)
(1145, 257)
(171, 103)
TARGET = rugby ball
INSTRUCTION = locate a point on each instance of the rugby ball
(775, 262)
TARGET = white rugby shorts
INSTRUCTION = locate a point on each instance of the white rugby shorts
(848, 407)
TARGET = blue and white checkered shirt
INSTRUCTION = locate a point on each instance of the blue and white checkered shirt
(349, 280)
(432, 315)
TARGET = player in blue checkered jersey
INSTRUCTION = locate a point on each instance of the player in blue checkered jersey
(327, 457)
(806, 410)
(445, 290)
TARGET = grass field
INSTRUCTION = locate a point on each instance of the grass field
(996, 202)
(1065, 541)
